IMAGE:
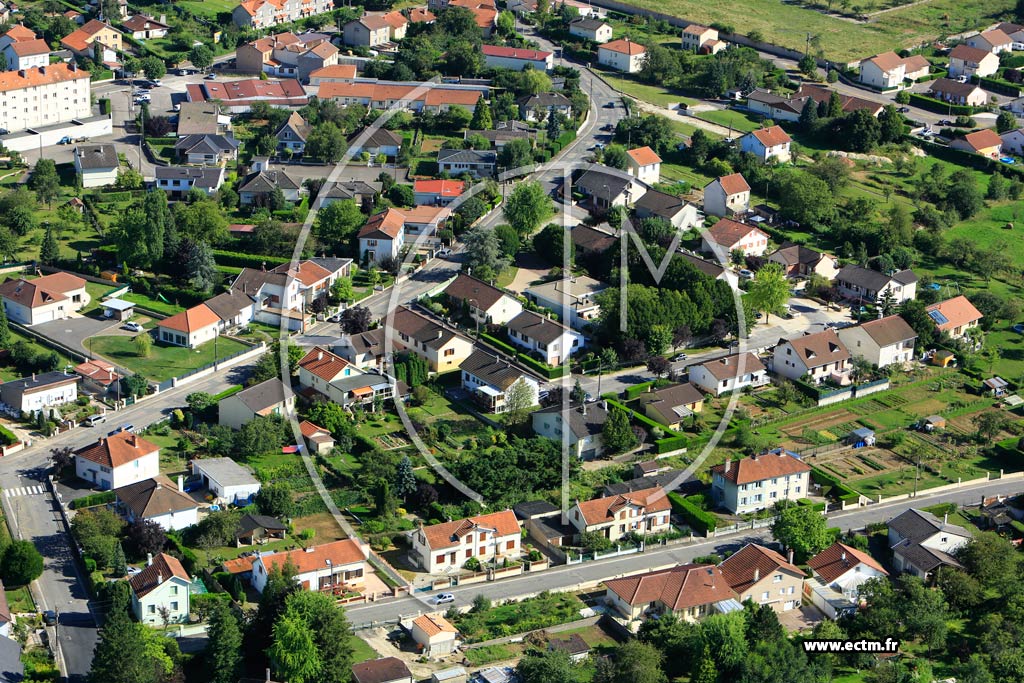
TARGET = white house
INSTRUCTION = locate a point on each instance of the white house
(594, 30)
(143, 28)
(697, 38)
(442, 548)
(337, 566)
(43, 299)
(1013, 140)
(870, 286)
(179, 180)
(760, 481)
(727, 196)
(580, 428)
(643, 164)
(435, 635)
(820, 356)
(883, 71)
(921, 543)
(483, 302)
(572, 299)
(883, 342)
(477, 163)
(730, 373)
(96, 165)
(190, 328)
(161, 590)
(292, 134)
(994, 41)
(368, 31)
(40, 391)
(158, 500)
(622, 55)
(727, 236)
(550, 339)
(117, 460)
(965, 60)
(490, 380)
(226, 480)
(341, 382)
(517, 59)
(23, 49)
(382, 237)
(266, 398)
(767, 144)
(689, 591)
(646, 511)
(838, 572)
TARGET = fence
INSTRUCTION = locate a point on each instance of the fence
(209, 369)
(950, 487)
(47, 341)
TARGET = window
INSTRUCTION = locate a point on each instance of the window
(510, 545)
(174, 606)
(440, 559)
(152, 609)
(174, 590)
(764, 596)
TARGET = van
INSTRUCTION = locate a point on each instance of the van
(94, 420)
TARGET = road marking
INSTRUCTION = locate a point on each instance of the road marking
(23, 491)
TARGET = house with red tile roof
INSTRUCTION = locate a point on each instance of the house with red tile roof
(760, 481)
(819, 356)
(517, 59)
(338, 73)
(336, 567)
(382, 237)
(985, 142)
(644, 164)
(43, 299)
(117, 460)
(328, 376)
(689, 591)
(622, 55)
(764, 577)
(237, 97)
(727, 236)
(955, 316)
(413, 97)
(642, 512)
(421, 15)
(81, 41)
(727, 196)
(445, 547)
(318, 440)
(260, 14)
(161, 588)
(994, 41)
(23, 49)
(190, 328)
(382, 670)
(437, 192)
(767, 144)
(434, 635)
(837, 574)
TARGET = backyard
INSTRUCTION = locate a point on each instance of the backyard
(165, 361)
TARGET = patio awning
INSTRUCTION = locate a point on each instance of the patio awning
(362, 391)
(488, 390)
(727, 606)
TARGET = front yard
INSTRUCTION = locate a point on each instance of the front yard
(165, 361)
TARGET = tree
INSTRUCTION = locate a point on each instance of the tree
(989, 424)
(859, 130)
(153, 67)
(44, 181)
(903, 97)
(659, 366)
(326, 142)
(275, 499)
(519, 399)
(62, 458)
(481, 116)
(49, 252)
(337, 224)
(21, 564)
(804, 198)
(769, 291)
(1005, 122)
(201, 57)
(484, 255)
(121, 654)
(200, 268)
(515, 154)
(963, 194)
(800, 528)
(402, 195)
(202, 220)
(527, 206)
(264, 434)
(890, 125)
(5, 329)
(144, 536)
(224, 644)
(356, 320)
(615, 157)
(294, 655)
(329, 635)
(143, 344)
(118, 564)
(545, 666)
(616, 433)
(809, 114)
(129, 179)
(405, 479)
(550, 244)
(634, 662)
(134, 385)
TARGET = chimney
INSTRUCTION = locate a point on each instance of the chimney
(159, 578)
(149, 559)
(33, 377)
(181, 484)
(21, 72)
(843, 556)
(163, 18)
(789, 556)
(757, 575)
(74, 67)
(320, 354)
(728, 464)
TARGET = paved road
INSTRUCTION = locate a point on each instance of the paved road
(589, 574)
(34, 515)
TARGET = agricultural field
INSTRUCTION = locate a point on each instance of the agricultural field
(841, 40)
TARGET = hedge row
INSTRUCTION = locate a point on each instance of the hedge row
(502, 346)
(189, 560)
(845, 493)
(940, 107)
(1000, 86)
(240, 260)
(940, 73)
(7, 437)
(963, 158)
(670, 442)
(700, 520)
(542, 369)
(228, 392)
(637, 389)
(101, 498)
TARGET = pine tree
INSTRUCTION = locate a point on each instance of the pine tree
(49, 252)
(617, 434)
(118, 565)
(481, 116)
(224, 650)
(405, 480)
(120, 655)
(809, 115)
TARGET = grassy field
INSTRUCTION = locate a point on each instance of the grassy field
(730, 118)
(648, 93)
(208, 8)
(153, 304)
(361, 651)
(841, 40)
(165, 362)
(20, 600)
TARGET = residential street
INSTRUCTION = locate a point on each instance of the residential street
(34, 515)
(590, 574)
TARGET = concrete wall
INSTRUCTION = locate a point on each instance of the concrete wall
(31, 139)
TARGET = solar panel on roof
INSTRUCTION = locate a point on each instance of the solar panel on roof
(937, 316)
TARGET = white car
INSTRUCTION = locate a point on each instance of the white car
(133, 327)
(444, 598)
(444, 252)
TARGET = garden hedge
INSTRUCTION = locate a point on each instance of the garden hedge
(7, 437)
(701, 520)
(635, 390)
(101, 498)
(240, 260)
(940, 107)
(1000, 86)
(845, 493)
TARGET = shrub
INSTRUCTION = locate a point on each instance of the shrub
(21, 564)
(700, 520)
(241, 260)
(90, 565)
(7, 437)
(93, 499)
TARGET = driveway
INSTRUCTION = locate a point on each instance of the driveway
(73, 332)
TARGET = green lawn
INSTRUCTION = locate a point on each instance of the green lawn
(20, 600)
(641, 91)
(165, 361)
(361, 651)
(152, 303)
(7, 372)
(789, 25)
(208, 8)
(730, 118)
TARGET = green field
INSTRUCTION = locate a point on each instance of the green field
(208, 8)
(841, 40)
(641, 91)
(164, 362)
(731, 119)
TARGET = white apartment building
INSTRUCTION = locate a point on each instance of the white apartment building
(43, 96)
(758, 482)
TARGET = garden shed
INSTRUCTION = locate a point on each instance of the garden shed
(861, 437)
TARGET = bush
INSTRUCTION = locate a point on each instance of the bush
(93, 499)
(241, 260)
(840, 490)
(938, 106)
(700, 520)
(90, 564)
(21, 564)
(637, 389)
(7, 437)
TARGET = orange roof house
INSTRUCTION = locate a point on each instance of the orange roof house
(954, 316)
(690, 591)
(190, 328)
(625, 46)
(985, 142)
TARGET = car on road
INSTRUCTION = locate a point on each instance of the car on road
(133, 327)
(903, 110)
(155, 83)
(680, 358)
(336, 318)
(210, 77)
(609, 105)
(4, 131)
(746, 274)
(94, 420)
(49, 617)
(608, 126)
(444, 598)
(443, 252)
(945, 122)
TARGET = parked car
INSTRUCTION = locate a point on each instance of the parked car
(610, 105)
(94, 420)
(336, 318)
(444, 598)
(4, 131)
(903, 110)
(133, 327)
(210, 77)
(443, 252)
(66, 140)
(746, 274)
(49, 617)
(679, 358)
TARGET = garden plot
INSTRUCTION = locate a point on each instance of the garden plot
(391, 442)
(848, 465)
(820, 422)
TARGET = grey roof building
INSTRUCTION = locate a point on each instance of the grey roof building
(91, 157)
(200, 177)
(492, 369)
